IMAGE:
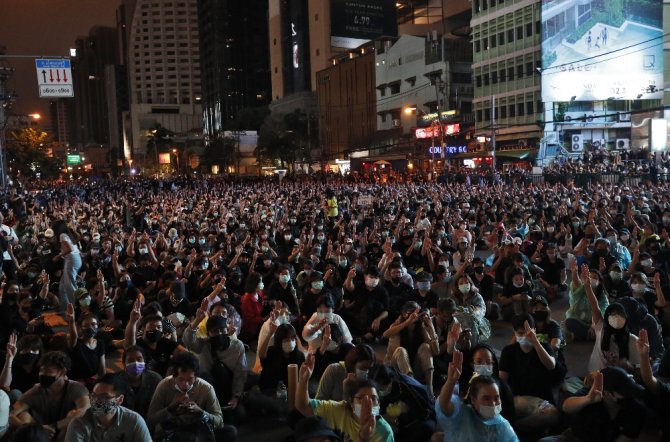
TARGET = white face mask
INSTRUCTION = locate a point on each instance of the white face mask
(647, 263)
(483, 370)
(358, 410)
(464, 288)
(325, 315)
(489, 412)
(361, 374)
(289, 346)
(638, 288)
(523, 341)
(616, 322)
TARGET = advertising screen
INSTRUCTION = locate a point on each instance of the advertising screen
(602, 50)
(354, 22)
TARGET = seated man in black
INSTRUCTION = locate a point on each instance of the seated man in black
(365, 304)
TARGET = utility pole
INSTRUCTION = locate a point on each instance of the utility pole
(493, 132)
(5, 101)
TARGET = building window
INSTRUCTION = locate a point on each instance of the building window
(479, 115)
(486, 79)
(529, 108)
(512, 111)
(503, 111)
(395, 88)
(501, 38)
(478, 46)
(478, 81)
(493, 41)
(503, 77)
(510, 73)
(494, 77)
(487, 114)
(519, 71)
(510, 35)
(529, 68)
(529, 29)
(519, 32)
(520, 109)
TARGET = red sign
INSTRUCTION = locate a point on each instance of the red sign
(434, 131)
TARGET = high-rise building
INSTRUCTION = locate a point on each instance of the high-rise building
(61, 110)
(164, 74)
(233, 59)
(94, 52)
(506, 37)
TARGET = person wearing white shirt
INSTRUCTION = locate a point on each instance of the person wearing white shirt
(313, 330)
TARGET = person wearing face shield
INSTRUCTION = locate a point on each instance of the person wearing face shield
(357, 416)
(615, 346)
(107, 419)
(477, 418)
(185, 406)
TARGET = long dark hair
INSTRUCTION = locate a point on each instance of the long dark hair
(621, 336)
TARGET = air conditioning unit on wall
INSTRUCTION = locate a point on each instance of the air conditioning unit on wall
(623, 143)
(599, 144)
(624, 116)
(576, 143)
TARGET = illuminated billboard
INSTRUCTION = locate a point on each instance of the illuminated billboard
(355, 22)
(73, 159)
(602, 50)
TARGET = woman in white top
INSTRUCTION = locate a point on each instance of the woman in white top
(313, 330)
(615, 345)
(71, 265)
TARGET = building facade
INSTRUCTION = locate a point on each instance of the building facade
(506, 45)
(164, 75)
(233, 58)
(94, 53)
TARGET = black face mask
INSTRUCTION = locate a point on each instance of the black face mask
(27, 358)
(395, 280)
(540, 316)
(46, 381)
(153, 336)
(220, 342)
(89, 332)
(479, 270)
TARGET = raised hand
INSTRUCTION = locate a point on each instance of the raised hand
(11, 346)
(454, 333)
(135, 313)
(585, 275)
(643, 344)
(455, 367)
(69, 312)
(596, 392)
(368, 423)
(307, 368)
(529, 332)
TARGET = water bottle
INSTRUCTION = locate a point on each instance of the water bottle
(282, 400)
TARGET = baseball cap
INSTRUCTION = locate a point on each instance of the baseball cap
(49, 233)
(616, 380)
(311, 427)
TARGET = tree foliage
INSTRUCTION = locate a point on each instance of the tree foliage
(27, 154)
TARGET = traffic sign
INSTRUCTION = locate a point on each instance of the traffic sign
(54, 77)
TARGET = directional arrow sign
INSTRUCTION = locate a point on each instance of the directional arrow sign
(54, 77)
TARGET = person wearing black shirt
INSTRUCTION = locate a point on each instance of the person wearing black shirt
(365, 305)
(176, 301)
(423, 295)
(554, 273)
(158, 350)
(615, 284)
(515, 297)
(527, 367)
(276, 359)
(399, 292)
(87, 352)
(283, 290)
(485, 284)
(20, 371)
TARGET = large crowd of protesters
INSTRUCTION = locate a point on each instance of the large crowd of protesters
(140, 309)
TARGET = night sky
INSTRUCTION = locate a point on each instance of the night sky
(45, 27)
